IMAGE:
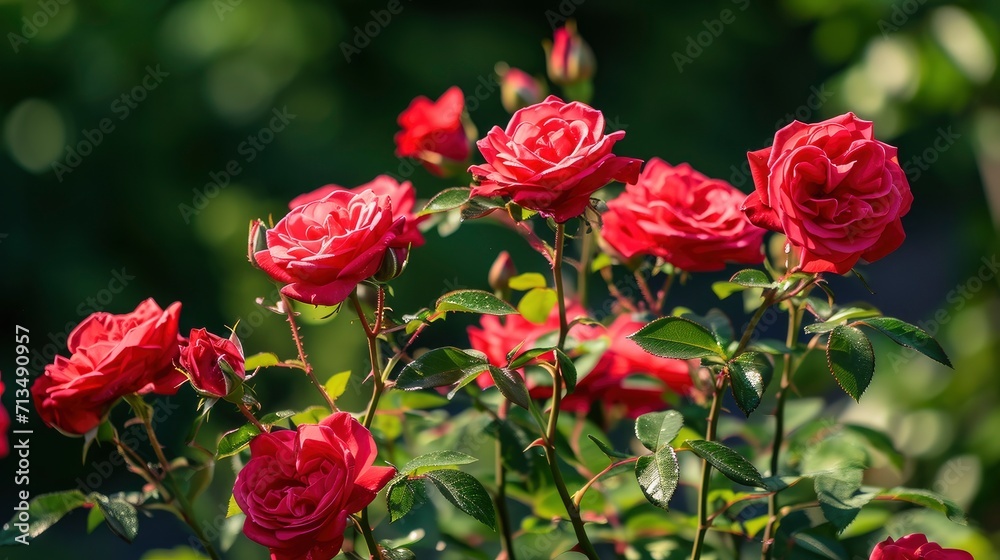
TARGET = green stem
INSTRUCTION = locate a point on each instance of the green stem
(249, 416)
(290, 313)
(366, 530)
(581, 279)
(503, 515)
(706, 469)
(557, 387)
(794, 321)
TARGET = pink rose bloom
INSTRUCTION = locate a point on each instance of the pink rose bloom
(110, 356)
(300, 486)
(687, 219)
(4, 426)
(323, 249)
(833, 189)
(551, 158)
(433, 131)
(916, 547)
(201, 355)
(402, 195)
(569, 58)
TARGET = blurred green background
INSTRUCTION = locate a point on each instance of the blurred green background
(182, 89)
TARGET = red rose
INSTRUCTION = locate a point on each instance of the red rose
(833, 189)
(915, 547)
(4, 425)
(201, 356)
(323, 249)
(433, 131)
(110, 356)
(683, 217)
(551, 158)
(569, 58)
(299, 486)
(402, 195)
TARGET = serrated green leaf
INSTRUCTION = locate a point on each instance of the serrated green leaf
(723, 290)
(119, 515)
(440, 367)
(851, 360)
(676, 337)
(236, 440)
(527, 356)
(608, 450)
(536, 306)
(656, 430)
(527, 281)
(402, 496)
(822, 546)
(511, 385)
(730, 463)
(311, 415)
(263, 359)
(466, 493)
(841, 316)
(750, 374)
(436, 459)
(94, 519)
(43, 512)
(474, 301)
(337, 384)
(905, 334)
(233, 508)
(927, 499)
(838, 495)
(752, 278)
(658, 475)
(272, 418)
(448, 199)
(398, 554)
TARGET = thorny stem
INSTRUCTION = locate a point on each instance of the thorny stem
(706, 469)
(661, 297)
(503, 516)
(557, 386)
(290, 313)
(647, 294)
(365, 527)
(253, 419)
(578, 497)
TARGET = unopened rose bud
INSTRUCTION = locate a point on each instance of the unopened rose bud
(212, 363)
(257, 241)
(570, 59)
(518, 89)
(393, 264)
(501, 272)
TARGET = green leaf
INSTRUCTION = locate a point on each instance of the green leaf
(675, 337)
(236, 440)
(466, 493)
(568, 370)
(436, 459)
(527, 281)
(337, 384)
(728, 462)
(851, 360)
(263, 359)
(752, 278)
(750, 374)
(311, 415)
(821, 546)
(657, 429)
(841, 317)
(119, 515)
(523, 358)
(398, 554)
(725, 289)
(608, 450)
(440, 367)
(927, 499)
(838, 496)
(43, 512)
(511, 385)
(94, 519)
(233, 508)
(879, 442)
(536, 306)
(402, 496)
(178, 553)
(908, 335)
(601, 261)
(658, 475)
(474, 301)
(272, 418)
(448, 199)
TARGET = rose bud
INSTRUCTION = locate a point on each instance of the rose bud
(518, 89)
(570, 59)
(393, 264)
(214, 364)
(257, 240)
(501, 272)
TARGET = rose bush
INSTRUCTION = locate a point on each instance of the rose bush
(300, 486)
(111, 356)
(683, 217)
(551, 157)
(323, 249)
(835, 191)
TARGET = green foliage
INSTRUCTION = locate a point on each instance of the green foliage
(675, 337)
(851, 360)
